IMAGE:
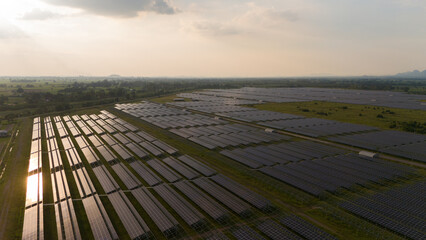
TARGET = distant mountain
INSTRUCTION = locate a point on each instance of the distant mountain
(413, 74)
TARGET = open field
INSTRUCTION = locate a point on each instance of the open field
(382, 117)
(13, 183)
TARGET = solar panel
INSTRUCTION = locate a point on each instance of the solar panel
(99, 221)
(181, 168)
(188, 213)
(197, 165)
(161, 217)
(163, 170)
(210, 206)
(147, 174)
(134, 224)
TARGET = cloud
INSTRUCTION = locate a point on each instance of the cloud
(254, 20)
(211, 28)
(267, 17)
(118, 8)
(9, 31)
(38, 14)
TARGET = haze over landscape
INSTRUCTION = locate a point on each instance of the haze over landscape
(234, 38)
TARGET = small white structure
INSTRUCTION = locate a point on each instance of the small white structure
(270, 130)
(369, 154)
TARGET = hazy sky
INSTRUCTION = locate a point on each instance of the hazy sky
(212, 38)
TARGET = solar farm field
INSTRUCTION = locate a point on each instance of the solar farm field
(213, 169)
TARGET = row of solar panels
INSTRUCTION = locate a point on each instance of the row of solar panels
(98, 219)
(239, 96)
(66, 219)
(212, 130)
(377, 98)
(236, 139)
(329, 130)
(211, 107)
(164, 221)
(167, 172)
(154, 112)
(409, 145)
(258, 115)
(132, 221)
(215, 99)
(313, 127)
(268, 155)
(35, 162)
(180, 121)
(275, 231)
(33, 227)
(332, 173)
(406, 145)
(306, 126)
(68, 146)
(141, 105)
(401, 209)
(165, 225)
(36, 129)
(210, 187)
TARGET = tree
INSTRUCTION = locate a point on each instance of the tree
(3, 99)
(10, 117)
(20, 90)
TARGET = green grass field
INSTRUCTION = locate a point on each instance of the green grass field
(13, 182)
(382, 117)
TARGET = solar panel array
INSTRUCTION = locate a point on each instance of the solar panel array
(376, 98)
(33, 216)
(163, 219)
(221, 100)
(304, 228)
(351, 134)
(332, 173)
(66, 219)
(235, 95)
(132, 221)
(99, 221)
(316, 168)
(408, 145)
(401, 210)
(259, 115)
(246, 233)
(209, 132)
(275, 231)
(212, 107)
(316, 127)
(195, 191)
(222, 136)
(282, 153)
